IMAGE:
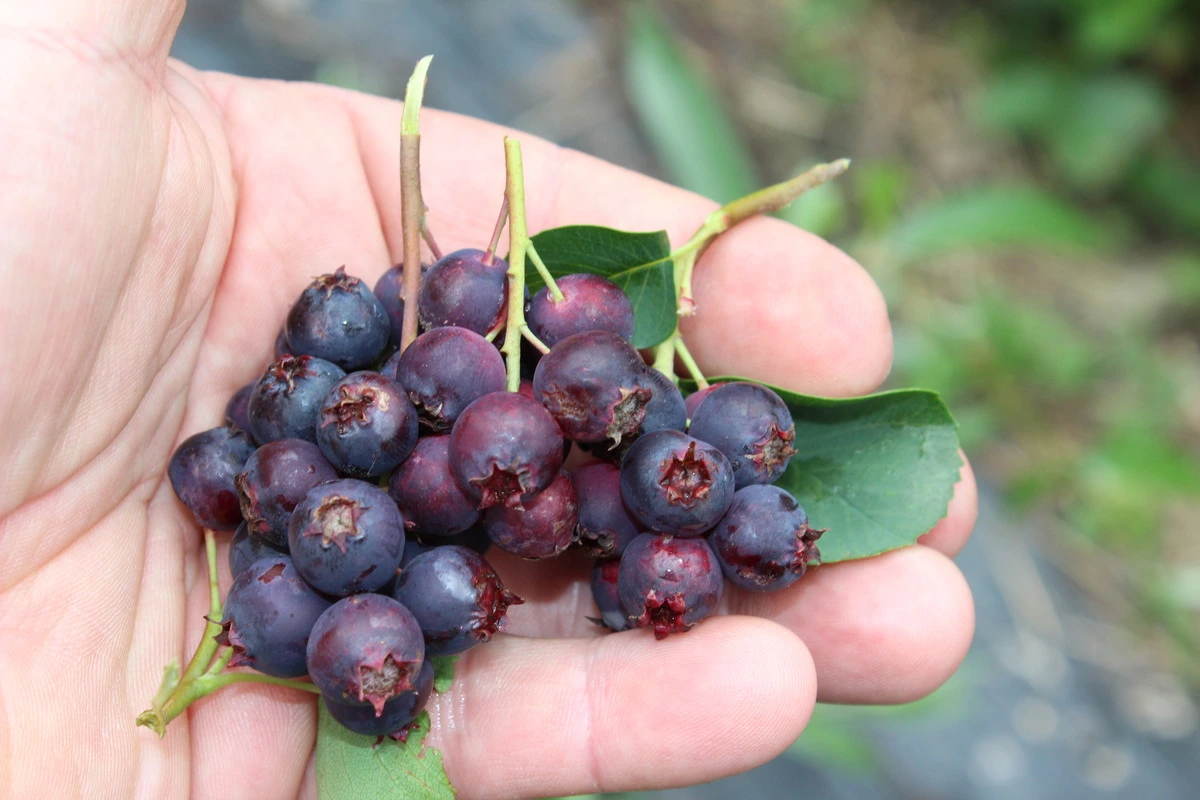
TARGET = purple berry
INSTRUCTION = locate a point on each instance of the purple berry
(675, 484)
(692, 401)
(461, 289)
(608, 600)
(505, 448)
(366, 425)
(237, 410)
(346, 536)
(592, 384)
(605, 526)
(424, 488)
(544, 528)
(666, 409)
(396, 715)
(365, 648)
(444, 370)
(202, 472)
(276, 477)
(667, 583)
(269, 613)
(337, 318)
(457, 598)
(388, 291)
(751, 425)
(764, 541)
(245, 548)
(589, 303)
(286, 401)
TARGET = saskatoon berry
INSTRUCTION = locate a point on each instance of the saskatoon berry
(544, 528)
(202, 472)
(504, 448)
(764, 542)
(605, 526)
(366, 648)
(387, 291)
(456, 596)
(751, 425)
(675, 484)
(276, 477)
(287, 398)
(424, 488)
(608, 600)
(346, 536)
(395, 717)
(589, 303)
(592, 385)
(269, 613)
(667, 583)
(245, 548)
(692, 401)
(237, 410)
(666, 409)
(366, 425)
(445, 369)
(461, 289)
(337, 318)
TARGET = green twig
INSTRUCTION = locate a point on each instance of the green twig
(412, 206)
(556, 294)
(518, 245)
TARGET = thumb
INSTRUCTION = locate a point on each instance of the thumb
(131, 31)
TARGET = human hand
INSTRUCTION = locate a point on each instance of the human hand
(158, 223)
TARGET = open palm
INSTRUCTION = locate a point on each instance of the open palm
(156, 225)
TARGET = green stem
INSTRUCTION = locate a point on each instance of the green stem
(664, 356)
(532, 338)
(501, 218)
(556, 294)
(518, 244)
(685, 356)
(412, 206)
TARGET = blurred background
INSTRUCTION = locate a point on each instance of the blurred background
(1026, 190)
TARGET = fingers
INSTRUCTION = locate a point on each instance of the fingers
(951, 532)
(104, 33)
(531, 718)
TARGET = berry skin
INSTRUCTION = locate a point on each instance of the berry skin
(751, 425)
(237, 410)
(591, 384)
(276, 477)
(444, 370)
(366, 648)
(666, 409)
(366, 425)
(424, 488)
(457, 598)
(589, 303)
(337, 318)
(667, 583)
(675, 484)
(202, 471)
(395, 717)
(287, 398)
(605, 526)
(245, 548)
(269, 613)
(543, 529)
(346, 536)
(608, 600)
(505, 448)
(388, 291)
(764, 542)
(460, 289)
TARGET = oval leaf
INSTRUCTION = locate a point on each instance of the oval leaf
(353, 767)
(640, 263)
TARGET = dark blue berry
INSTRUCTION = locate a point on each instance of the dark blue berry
(395, 716)
(245, 548)
(605, 526)
(276, 477)
(286, 401)
(675, 484)
(764, 541)
(751, 425)
(667, 583)
(237, 410)
(444, 370)
(388, 291)
(337, 318)
(665, 410)
(544, 528)
(608, 600)
(589, 303)
(202, 472)
(463, 289)
(428, 495)
(367, 426)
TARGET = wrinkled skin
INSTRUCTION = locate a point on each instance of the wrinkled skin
(102, 582)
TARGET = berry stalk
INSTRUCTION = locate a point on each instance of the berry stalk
(412, 206)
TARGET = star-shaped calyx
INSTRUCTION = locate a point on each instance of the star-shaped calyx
(686, 478)
(335, 521)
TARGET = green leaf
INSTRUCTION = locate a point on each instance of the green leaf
(443, 673)
(640, 263)
(877, 471)
(682, 115)
(353, 767)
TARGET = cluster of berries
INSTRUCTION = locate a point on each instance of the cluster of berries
(365, 482)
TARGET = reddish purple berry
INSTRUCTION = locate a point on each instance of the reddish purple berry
(245, 548)
(544, 528)
(605, 526)
(589, 303)
(675, 484)
(286, 401)
(505, 448)
(396, 715)
(667, 583)
(608, 599)
(444, 370)
(692, 401)
(269, 612)
(751, 425)
(456, 596)
(367, 426)
(366, 648)
(592, 384)
(389, 291)
(424, 488)
(337, 318)
(764, 541)
(237, 410)
(664, 411)
(275, 478)
(202, 471)
(346, 536)
(461, 289)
